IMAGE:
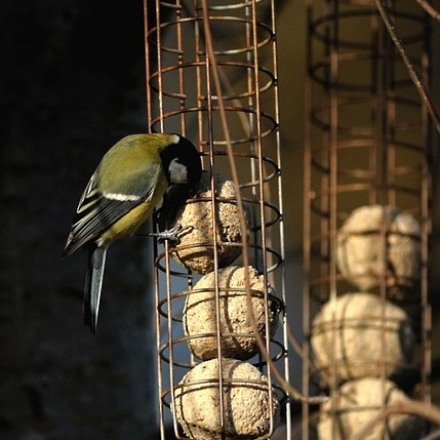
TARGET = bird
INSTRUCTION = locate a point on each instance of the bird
(122, 193)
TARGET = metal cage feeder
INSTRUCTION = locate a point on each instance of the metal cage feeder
(212, 76)
(368, 144)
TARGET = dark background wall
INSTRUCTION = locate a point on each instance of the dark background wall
(71, 84)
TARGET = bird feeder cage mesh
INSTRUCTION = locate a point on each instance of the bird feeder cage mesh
(212, 76)
(366, 203)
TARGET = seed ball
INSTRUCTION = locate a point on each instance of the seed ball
(246, 402)
(357, 402)
(195, 250)
(349, 332)
(360, 253)
(237, 335)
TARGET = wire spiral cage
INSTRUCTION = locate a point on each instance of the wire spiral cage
(212, 76)
(366, 203)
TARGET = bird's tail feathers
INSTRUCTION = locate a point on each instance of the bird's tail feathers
(93, 286)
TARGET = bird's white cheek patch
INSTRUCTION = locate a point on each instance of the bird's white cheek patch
(121, 197)
(178, 172)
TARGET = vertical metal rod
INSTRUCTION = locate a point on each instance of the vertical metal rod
(180, 64)
(375, 106)
(160, 382)
(308, 199)
(149, 99)
(426, 223)
(210, 93)
(384, 190)
(335, 180)
(177, 59)
(288, 406)
(170, 337)
(159, 67)
(251, 117)
(262, 198)
(333, 203)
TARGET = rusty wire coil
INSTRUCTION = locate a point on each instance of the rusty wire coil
(368, 143)
(182, 97)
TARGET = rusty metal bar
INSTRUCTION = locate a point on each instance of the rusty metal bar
(182, 97)
(367, 143)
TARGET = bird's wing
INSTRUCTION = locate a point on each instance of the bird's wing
(97, 211)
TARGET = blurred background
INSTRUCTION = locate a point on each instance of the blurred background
(72, 83)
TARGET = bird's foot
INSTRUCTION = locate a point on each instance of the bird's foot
(174, 234)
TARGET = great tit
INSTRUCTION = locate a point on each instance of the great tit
(129, 182)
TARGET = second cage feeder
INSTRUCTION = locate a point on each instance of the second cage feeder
(366, 210)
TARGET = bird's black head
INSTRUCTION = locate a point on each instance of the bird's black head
(182, 164)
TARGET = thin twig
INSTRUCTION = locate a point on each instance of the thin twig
(294, 341)
(423, 410)
(429, 9)
(216, 77)
(388, 20)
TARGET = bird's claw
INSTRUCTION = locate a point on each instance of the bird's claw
(174, 234)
